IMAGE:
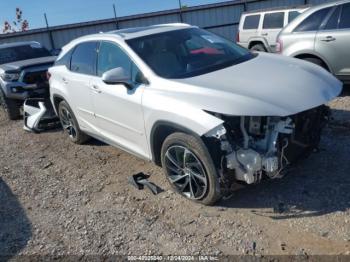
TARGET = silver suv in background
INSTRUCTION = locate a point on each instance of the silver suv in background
(321, 35)
(258, 30)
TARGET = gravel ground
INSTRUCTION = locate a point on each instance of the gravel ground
(58, 198)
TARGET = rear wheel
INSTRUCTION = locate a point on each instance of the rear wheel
(259, 48)
(70, 124)
(11, 107)
(190, 169)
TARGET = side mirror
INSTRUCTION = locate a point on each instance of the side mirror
(117, 76)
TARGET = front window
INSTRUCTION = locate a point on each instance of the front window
(23, 52)
(187, 52)
(251, 22)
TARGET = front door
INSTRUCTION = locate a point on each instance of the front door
(272, 25)
(118, 108)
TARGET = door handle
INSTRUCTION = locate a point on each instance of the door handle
(329, 39)
(96, 89)
(64, 80)
(264, 34)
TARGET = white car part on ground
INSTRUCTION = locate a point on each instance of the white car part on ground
(36, 111)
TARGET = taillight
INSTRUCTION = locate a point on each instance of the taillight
(279, 46)
(237, 37)
(48, 75)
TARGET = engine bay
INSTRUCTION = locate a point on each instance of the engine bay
(251, 147)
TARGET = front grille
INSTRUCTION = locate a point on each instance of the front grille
(35, 77)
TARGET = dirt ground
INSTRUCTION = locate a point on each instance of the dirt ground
(57, 198)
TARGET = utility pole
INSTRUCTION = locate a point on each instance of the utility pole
(180, 11)
(115, 17)
(49, 32)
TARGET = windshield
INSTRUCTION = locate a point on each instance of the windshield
(187, 52)
(19, 53)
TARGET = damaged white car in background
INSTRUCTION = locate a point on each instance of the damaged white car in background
(208, 111)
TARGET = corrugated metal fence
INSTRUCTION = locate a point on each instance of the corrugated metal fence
(221, 18)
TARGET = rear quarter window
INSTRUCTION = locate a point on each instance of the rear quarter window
(64, 60)
(251, 22)
(273, 20)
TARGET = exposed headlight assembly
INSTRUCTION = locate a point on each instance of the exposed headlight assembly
(10, 77)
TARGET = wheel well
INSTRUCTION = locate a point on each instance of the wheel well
(304, 56)
(159, 133)
(57, 100)
(253, 43)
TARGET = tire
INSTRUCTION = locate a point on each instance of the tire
(205, 183)
(10, 107)
(70, 124)
(258, 47)
(316, 61)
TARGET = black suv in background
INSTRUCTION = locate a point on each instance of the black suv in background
(23, 68)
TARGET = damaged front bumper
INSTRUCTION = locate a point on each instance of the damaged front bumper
(39, 115)
(247, 148)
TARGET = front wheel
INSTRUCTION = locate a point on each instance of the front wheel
(190, 169)
(11, 107)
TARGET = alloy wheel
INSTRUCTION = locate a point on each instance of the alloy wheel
(186, 172)
(68, 123)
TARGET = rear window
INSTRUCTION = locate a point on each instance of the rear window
(292, 15)
(251, 22)
(24, 52)
(273, 20)
(345, 17)
(313, 21)
(84, 58)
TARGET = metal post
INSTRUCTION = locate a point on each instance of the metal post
(180, 11)
(49, 32)
(245, 7)
(115, 17)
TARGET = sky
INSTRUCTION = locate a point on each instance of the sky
(61, 12)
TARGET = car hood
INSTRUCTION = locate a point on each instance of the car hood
(19, 65)
(267, 85)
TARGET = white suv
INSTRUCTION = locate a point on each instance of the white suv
(258, 30)
(205, 109)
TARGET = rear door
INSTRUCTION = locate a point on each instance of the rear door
(78, 82)
(333, 40)
(271, 26)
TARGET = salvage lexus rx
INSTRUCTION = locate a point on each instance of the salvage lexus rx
(205, 109)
